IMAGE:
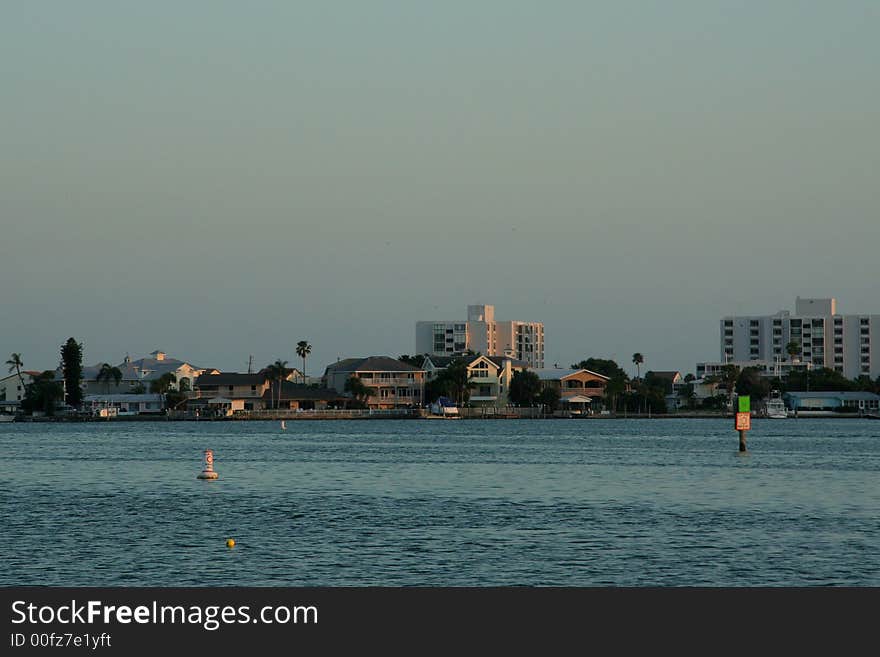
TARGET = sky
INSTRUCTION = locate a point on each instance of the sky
(223, 179)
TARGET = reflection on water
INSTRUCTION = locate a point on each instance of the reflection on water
(465, 503)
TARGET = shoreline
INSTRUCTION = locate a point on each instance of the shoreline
(387, 415)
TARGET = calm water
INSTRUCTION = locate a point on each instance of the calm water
(464, 503)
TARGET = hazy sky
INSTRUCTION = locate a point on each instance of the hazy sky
(221, 179)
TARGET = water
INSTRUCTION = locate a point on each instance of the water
(458, 503)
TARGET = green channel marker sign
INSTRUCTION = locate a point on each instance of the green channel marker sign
(745, 404)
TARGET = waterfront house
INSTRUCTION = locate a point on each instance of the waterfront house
(579, 389)
(298, 396)
(139, 375)
(12, 389)
(489, 376)
(124, 404)
(831, 403)
(230, 390)
(158, 363)
(393, 383)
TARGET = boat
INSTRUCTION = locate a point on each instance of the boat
(7, 417)
(776, 407)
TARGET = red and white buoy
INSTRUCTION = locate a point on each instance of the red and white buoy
(208, 469)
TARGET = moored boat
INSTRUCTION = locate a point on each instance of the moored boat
(776, 407)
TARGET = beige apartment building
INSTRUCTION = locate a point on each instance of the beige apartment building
(482, 333)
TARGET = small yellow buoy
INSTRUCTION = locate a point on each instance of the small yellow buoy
(230, 543)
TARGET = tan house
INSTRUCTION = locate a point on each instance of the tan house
(581, 389)
(394, 384)
(237, 392)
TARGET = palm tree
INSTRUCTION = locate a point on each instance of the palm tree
(15, 363)
(107, 373)
(303, 349)
(358, 389)
(278, 371)
(162, 385)
(638, 359)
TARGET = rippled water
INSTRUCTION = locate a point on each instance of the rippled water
(462, 503)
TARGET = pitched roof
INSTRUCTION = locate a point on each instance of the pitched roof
(499, 361)
(230, 379)
(846, 396)
(373, 364)
(665, 374)
(555, 375)
(439, 362)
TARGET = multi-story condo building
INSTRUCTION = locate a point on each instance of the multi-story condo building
(483, 334)
(771, 370)
(849, 344)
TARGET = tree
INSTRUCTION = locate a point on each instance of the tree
(751, 383)
(615, 387)
(42, 394)
(163, 385)
(638, 359)
(549, 397)
(457, 381)
(605, 367)
(71, 364)
(525, 386)
(659, 382)
(727, 377)
(688, 394)
(793, 348)
(358, 389)
(415, 361)
(278, 371)
(618, 378)
(303, 349)
(820, 379)
(15, 363)
(107, 373)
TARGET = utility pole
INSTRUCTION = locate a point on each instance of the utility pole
(251, 364)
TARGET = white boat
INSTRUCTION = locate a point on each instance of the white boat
(7, 417)
(776, 407)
